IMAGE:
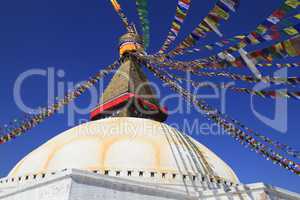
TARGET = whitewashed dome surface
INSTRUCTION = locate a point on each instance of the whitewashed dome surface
(120, 144)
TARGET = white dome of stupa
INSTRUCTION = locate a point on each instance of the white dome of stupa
(122, 145)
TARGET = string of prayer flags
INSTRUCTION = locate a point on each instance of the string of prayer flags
(273, 94)
(254, 37)
(14, 123)
(278, 15)
(116, 5)
(143, 15)
(233, 76)
(268, 94)
(47, 112)
(259, 35)
(123, 17)
(200, 65)
(182, 9)
(162, 61)
(285, 148)
(280, 65)
(220, 44)
(232, 130)
(250, 79)
(220, 12)
(238, 77)
(285, 49)
(278, 145)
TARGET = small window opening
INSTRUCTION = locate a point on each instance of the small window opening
(141, 173)
(152, 174)
(129, 173)
(194, 178)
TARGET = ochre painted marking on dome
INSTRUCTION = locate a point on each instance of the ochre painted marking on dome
(16, 169)
(60, 146)
(106, 146)
(109, 143)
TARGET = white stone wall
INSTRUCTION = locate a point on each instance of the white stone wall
(93, 192)
(82, 185)
(53, 190)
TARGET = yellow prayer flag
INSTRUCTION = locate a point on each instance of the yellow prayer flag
(292, 3)
(297, 16)
(176, 25)
(290, 48)
(204, 27)
(290, 31)
(217, 11)
(239, 36)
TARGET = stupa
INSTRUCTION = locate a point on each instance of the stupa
(127, 151)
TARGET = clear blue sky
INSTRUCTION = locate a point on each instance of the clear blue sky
(80, 37)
